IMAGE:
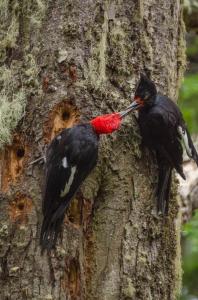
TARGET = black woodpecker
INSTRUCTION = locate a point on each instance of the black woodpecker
(163, 129)
(70, 158)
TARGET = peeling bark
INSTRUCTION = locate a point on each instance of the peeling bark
(83, 58)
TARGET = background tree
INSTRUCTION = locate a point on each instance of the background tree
(61, 60)
(188, 190)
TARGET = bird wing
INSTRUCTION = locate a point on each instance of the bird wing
(162, 127)
(70, 158)
(187, 141)
(171, 110)
(58, 173)
(69, 161)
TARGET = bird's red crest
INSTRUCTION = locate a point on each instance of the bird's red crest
(106, 123)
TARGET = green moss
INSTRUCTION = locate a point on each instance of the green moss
(48, 297)
(181, 54)
(39, 8)
(146, 45)
(9, 27)
(32, 13)
(3, 230)
(129, 290)
(97, 62)
(12, 106)
(31, 71)
(177, 262)
(4, 8)
(20, 78)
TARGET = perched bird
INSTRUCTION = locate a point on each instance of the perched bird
(163, 129)
(70, 158)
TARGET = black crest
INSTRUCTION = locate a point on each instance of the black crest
(146, 89)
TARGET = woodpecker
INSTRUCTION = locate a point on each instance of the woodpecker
(70, 157)
(163, 130)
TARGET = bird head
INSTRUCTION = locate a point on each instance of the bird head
(145, 93)
(108, 123)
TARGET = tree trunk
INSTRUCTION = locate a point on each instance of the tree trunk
(65, 60)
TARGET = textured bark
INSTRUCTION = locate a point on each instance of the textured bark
(74, 58)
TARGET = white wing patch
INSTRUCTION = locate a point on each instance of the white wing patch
(58, 137)
(184, 136)
(69, 183)
(64, 162)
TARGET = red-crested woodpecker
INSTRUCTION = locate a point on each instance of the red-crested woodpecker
(163, 129)
(70, 158)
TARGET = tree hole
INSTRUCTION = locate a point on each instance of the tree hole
(13, 160)
(20, 152)
(65, 115)
(21, 206)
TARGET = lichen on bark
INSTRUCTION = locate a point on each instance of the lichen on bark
(18, 70)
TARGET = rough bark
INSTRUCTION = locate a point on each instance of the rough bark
(82, 58)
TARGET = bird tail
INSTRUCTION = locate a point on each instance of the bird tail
(188, 143)
(163, 189)
(51, 228)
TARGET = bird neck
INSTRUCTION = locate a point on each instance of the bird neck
(107, 123)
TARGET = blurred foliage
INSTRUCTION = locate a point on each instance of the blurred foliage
(193, 49)
(190, 259)
(188, 102)
(190, 14)
(190, 231)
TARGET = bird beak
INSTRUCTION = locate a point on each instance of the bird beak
(134, 105)
(124, 113)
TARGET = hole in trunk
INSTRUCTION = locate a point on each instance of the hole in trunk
(20, 152)
(65, 115)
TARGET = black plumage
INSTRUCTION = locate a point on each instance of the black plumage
(69, 159)
(162, 128)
